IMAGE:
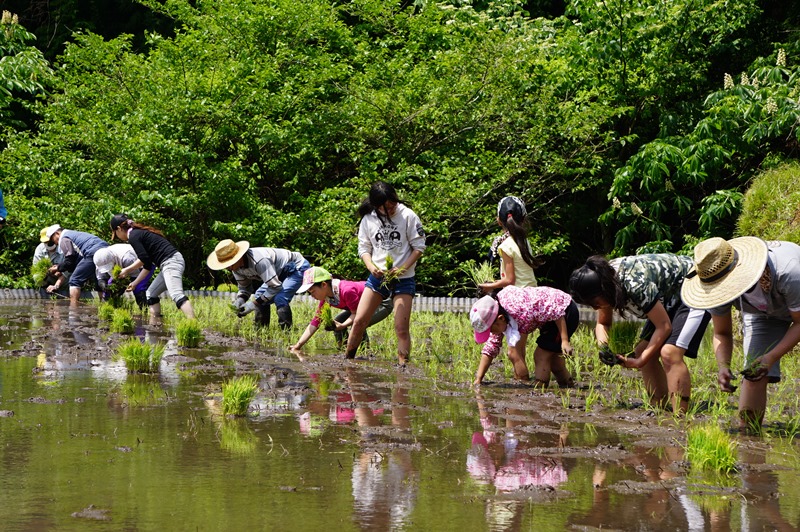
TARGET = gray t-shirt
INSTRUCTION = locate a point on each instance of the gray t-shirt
(784, 295)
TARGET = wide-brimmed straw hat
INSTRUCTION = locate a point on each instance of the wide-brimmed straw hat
(227, 253)
(723, 270)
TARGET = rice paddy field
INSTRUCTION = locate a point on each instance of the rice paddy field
(87, 443)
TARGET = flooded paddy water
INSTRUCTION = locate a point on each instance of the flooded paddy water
(335, 444)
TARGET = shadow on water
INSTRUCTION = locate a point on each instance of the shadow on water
(83, 443)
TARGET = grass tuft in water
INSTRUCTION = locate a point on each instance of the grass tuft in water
(708, 447)
(189, 333)
(121, 321)
(237, 394)
(139, 357)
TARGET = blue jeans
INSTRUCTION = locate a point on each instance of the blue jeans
(292, 280)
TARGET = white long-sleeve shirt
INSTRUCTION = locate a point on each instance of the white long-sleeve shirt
(399, 236)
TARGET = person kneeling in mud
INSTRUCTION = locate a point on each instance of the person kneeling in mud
(340, 294)
(513, 311)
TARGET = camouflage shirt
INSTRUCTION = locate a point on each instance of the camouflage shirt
(650, 278)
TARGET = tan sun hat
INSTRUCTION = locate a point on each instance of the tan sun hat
(723, 270)
(227, 253)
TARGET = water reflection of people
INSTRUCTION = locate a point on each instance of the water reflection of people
(502, 461)
(658, 467)
(385, 481)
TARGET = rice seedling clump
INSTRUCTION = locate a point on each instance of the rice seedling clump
(479, 273)
(39, 272)
(121, 321)
(237, 394)
(105, 311)
(708, 447)
(139, 357)
(189, 333)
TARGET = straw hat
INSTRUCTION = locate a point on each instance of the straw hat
(724, 270)
(227, 253)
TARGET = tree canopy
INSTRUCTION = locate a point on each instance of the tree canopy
(269, 122)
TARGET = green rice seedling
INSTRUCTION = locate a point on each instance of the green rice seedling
(390, 276)
(566, 396)
(116, 289)
(227, 287)
(479, 273)
(139, 357)
(189, 333)
(326, 317)
(105, 311)
(39, 272)
(237, 394)
(121, 321)
(623, 336)
(592, 397)
(708, 447)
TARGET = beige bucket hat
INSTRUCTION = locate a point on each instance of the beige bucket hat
(227, 253)
(723, 270)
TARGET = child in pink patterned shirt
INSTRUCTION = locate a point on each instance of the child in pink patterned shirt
(514, 311)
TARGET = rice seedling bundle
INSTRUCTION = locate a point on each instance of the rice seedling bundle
(709, 447)
(121, 321)
(623, 336)
(390, 276)
(326, 317)
(479, 273)
(118, 284)
(105, 311)
(237, 394)
(39, 271)
(189, 333)
(139, 357)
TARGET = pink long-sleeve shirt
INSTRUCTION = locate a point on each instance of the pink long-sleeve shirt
(531, 307)
(346, 294)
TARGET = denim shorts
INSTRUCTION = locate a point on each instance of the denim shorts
(400, 286)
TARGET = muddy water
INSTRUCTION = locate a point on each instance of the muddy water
(333, 445)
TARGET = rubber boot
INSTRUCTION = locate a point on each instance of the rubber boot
(284, 317)
(261, 317)
(341, 338)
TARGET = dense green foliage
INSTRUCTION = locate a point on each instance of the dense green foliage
(269, 121)
(771, 207)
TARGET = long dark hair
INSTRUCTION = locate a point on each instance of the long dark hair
(500, 310)
(379, 194)
(124, 221)
(514, 219)
(596, 278)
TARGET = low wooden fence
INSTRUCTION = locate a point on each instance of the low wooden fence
(421, 303)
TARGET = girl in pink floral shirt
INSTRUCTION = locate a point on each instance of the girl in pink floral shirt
(514, 311)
